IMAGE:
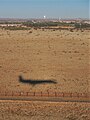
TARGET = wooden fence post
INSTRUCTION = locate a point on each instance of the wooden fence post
(26, 93)
(20, 93)
(78, 95)
(55, 94)
(34, 94)
(41, 93)
(5, 93)
(63, 94)
(70, 94)
(48, 94)
(12, 93)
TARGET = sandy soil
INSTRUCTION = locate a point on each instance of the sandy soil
(19, 110)
(59, 55)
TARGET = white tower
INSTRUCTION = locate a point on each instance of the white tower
(44, 17)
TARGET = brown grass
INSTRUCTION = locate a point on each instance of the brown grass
(25, 110)
(60, 55)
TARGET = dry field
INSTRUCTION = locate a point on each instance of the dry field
(23, 110)
(60, 55)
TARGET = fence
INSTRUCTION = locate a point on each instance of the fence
(45, 94)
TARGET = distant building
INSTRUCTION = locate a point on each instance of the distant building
(8, 25)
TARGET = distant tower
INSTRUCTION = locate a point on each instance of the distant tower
(44, 17)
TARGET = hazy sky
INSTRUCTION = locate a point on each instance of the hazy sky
(49, 8)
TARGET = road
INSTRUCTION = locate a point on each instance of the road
(48, 99)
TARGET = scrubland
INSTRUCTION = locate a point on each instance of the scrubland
(62, 55)
(45, 54)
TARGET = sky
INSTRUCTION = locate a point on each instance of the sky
(48, 8)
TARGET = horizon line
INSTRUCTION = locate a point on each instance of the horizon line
(43, 18)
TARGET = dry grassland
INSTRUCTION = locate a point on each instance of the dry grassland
(60, 55)
(11, 110)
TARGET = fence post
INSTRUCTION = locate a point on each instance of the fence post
(63, 94)
(55, 94)
(48, 94)
(78, 95)
(12, 93)
(34, 94)
(26, 93)
(70, 94)
(41, 93)
(20, 93)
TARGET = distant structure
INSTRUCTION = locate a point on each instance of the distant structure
(44, 17)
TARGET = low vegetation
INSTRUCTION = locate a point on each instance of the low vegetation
(45, 24)
(82, 25)
(16, 28)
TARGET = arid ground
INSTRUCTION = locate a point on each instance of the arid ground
(37, 54)
(41, 55)
(23, 110)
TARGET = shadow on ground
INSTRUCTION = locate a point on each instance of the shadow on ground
(35, 82)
